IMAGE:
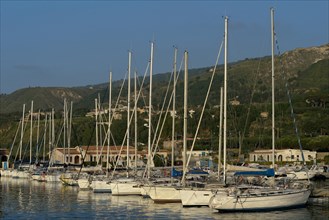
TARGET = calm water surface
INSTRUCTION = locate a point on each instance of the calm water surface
(27, 199)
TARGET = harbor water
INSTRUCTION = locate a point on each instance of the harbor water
(27, 199)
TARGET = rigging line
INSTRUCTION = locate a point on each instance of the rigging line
(232, 112)
(39, 149)
(146, 71)
(164, 120)
(100, 122)
(94, 128)
(12, 145)
(166, 114)
(117, 102)
(130, 120)
(157, 144)
(251, 100)
(292, 113)
(202, 112)
(28, 143)
(39, 139)
(22, 144)
(161, 111)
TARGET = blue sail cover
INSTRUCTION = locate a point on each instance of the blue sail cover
(267, 172)
(176, 173)
(198, 172)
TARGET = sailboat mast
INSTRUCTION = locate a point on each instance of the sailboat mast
(96, 130)
(185, 113)
(100, 124)
(50, 135)
(69, 133)
(128, 110)
(22, 133)
(273, 78)
(150, 116)
(173, 118)
(52, 130)
(135, 112)
(38, 130)
(44, 139)
(109, 126)
(220, 133)
(31, 130)
(64, 133)
(225, 100)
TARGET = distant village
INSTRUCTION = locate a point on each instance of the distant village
(199, 158)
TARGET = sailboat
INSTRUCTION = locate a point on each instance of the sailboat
(200, 196)
(23, 170)
(105, 185)
(255, 198)
(101, 185)
(85, 179)
(149, 184)
(196, 196)
(53, 172)
(6, 170)
(127, 186)
(170, 193)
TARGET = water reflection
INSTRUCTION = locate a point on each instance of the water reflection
(26, 199)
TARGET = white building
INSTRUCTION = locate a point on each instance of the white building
(92, 154)
(199, 153)
(285, 155)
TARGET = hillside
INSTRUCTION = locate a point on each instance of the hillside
(305, 70)
(242, 77)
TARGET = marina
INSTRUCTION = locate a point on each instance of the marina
(253, 150)
(27, 199)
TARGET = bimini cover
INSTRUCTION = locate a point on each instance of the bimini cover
(267, 172)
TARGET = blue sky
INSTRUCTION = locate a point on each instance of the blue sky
(77, 43)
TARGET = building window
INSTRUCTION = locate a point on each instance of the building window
(76, 159)
(292, 157)
(280, 158)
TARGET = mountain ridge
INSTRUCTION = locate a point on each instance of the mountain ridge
(295, 62)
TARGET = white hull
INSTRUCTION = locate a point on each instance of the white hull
(119, 188)
(53, 177)
(6, 173)
(68, 180)
(20, 174)
(39, 177)
(145, 191)
(195, 197)
(249, 201)
(84, 184)
(234, 168)
(301, 175)
(146, 186)
(101, 186)
(163, 194)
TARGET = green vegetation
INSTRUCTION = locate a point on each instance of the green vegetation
(249, 84)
